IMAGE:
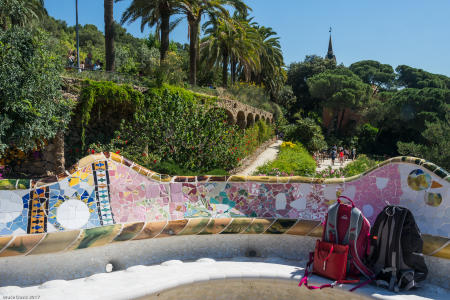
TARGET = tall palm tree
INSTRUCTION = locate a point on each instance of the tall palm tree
(194, 10)
(272, 74)
(20, 12)
(109, 34)
(230, 41)
(154, 13)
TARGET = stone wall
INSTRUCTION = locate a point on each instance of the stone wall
(48, 162)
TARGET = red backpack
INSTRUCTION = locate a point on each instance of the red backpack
(344, 246)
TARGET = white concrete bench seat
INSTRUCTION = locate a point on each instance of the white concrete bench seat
(238, 278)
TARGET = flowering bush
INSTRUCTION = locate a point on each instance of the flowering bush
(331, 173)
(288, 144)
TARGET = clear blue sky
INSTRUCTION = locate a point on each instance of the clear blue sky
(411, 32)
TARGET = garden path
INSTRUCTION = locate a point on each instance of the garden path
(327, 163)
(267, 155)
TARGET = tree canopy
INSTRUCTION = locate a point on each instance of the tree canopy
(31, 105)
(417, 78)
(374, 73)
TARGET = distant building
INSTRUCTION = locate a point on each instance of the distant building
(330, 54)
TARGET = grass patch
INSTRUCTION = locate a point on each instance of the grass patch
(293, 160)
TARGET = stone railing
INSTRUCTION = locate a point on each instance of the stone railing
(106, 198)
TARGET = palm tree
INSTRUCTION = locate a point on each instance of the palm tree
(272, 74)
(230, 41)
(20, 12)
(109, 34)
(153, 13)
(194, 10)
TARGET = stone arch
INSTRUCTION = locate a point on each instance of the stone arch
(263, 118)
(241, 120)
(250, 120)
(229, 115)
(256, 118)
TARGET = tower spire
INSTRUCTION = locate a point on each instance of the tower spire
(330, 54)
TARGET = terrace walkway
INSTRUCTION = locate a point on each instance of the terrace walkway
(327, 163)
(267, 155)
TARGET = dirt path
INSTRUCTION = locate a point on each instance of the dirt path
(267, 155)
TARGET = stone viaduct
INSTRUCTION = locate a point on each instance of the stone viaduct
(242, 114)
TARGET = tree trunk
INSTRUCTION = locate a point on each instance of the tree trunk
(109, 34)
(193, 34)
(336, 120)
(233, 69)
(224, 68)
(165, 29)
(342, 119)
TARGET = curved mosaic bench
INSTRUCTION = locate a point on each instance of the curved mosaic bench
(106, 198)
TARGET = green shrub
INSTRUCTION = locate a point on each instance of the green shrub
(168, 129)
(367, 137)
(307, 132)
(185, 94)
(437, 148)
(359, 166)
(171, 168)
(192, 136)
(253, 137)
(265, 132)
(122, 98)
(32, 108)
(291, 161)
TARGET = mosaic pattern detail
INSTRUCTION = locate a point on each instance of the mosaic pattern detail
(106, 198)
(101, 178)
(38, 211)
(418, 180)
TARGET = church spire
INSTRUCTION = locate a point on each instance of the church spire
(330, 54)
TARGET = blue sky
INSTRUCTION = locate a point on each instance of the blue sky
(411, 32)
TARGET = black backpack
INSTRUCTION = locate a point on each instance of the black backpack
(396, 250)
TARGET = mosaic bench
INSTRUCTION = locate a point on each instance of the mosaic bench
(106, 199)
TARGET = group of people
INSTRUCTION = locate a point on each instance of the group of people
(340, 153)
(87, 64)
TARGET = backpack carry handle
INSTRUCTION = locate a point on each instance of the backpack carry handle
(346, 198)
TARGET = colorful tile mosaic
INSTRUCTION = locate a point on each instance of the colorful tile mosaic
(107, 198)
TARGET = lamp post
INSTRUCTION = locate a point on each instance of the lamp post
(78, 38)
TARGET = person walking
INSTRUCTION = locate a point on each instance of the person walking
(341, 157)
(353, 153)
(333, 156)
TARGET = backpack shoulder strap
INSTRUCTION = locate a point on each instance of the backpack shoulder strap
(374, 252)
(331, 226)
(356, 222)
